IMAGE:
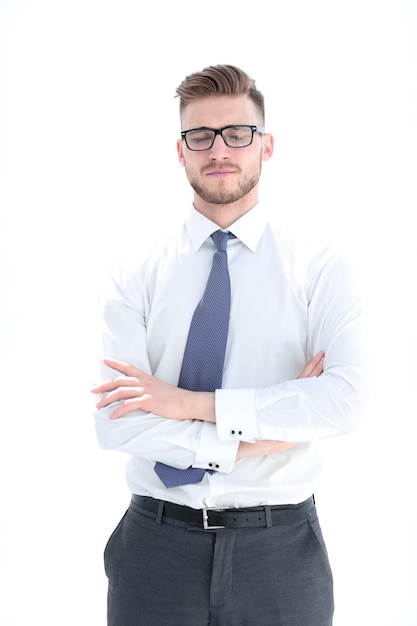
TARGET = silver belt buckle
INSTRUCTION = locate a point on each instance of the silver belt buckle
(206, 525)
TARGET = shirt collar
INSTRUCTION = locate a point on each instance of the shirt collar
(248, 228)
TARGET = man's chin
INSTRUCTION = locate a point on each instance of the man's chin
(221, 200)
(220, 197)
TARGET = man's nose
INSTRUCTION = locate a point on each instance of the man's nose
(219, 149)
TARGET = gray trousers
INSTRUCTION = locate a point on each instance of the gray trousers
(168, 573)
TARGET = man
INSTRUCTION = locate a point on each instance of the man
(222, 528)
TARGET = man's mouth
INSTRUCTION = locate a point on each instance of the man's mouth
(220, 172)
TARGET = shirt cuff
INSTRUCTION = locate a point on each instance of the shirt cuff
(236, 415)
(212, 454)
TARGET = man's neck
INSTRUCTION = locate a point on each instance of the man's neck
(225, 214)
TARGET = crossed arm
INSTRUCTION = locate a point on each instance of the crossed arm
(135, 389)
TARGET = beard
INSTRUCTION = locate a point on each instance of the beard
(222, 195)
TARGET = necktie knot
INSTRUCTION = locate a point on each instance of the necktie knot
(220, 239)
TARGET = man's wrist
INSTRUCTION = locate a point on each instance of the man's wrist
(201, 406)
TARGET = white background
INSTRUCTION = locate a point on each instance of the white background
(88, 123)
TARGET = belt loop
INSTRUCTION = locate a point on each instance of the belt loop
(268, 516)
(160, 511)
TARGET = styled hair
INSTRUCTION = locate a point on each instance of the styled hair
(220, 80)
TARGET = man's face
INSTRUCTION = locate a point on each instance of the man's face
(220, 174)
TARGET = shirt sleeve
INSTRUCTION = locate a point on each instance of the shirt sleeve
(123, 312)
(308, 409)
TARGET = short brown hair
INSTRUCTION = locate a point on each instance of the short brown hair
(220, 80)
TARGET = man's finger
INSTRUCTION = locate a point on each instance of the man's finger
(129, 405)
(115, 383)
(314, 367)
(121, 393)
(120, 366)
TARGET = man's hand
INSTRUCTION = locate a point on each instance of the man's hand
(262, 447)
(139, 390)
(314, 367)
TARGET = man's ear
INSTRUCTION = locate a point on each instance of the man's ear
(180, 152)
(267, 146)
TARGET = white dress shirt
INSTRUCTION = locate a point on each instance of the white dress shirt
(286, 305)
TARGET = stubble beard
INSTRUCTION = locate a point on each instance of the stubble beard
(222, 195)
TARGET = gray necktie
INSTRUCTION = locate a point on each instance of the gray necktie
(202, 366)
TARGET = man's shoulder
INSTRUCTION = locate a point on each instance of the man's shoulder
(148, 255)
(308, 255)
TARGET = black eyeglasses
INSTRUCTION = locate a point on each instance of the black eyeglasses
(239, 136)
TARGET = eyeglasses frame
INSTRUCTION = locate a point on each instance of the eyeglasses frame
(219, 131)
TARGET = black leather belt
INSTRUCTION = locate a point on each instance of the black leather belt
(212, 518)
